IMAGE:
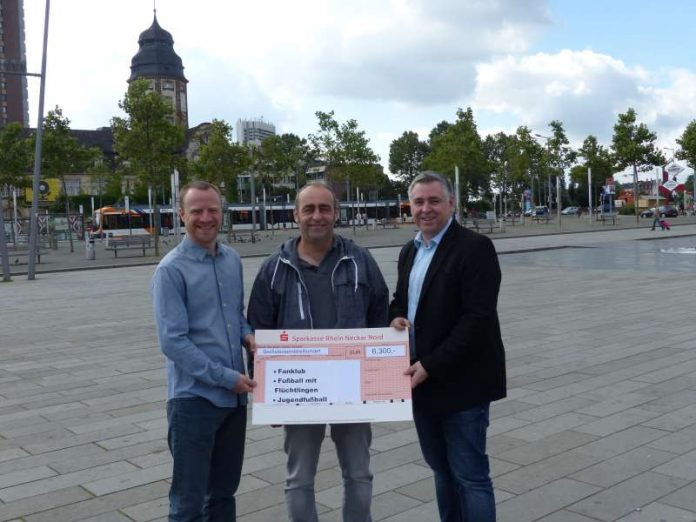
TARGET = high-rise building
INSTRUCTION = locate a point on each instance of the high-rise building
(156, 61)
(254, 131)
(13, 87)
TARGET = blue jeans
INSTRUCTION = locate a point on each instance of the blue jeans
(454, 446)
(303, 444)
(207, 445)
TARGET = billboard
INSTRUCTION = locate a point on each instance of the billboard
(49, 190)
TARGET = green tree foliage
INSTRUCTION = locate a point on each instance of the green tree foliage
(62, 154)
(633, 145)
(283, 158)
(460, 144)
(511, 161)
(534, 159)
(147, 140)
(687, 142)
(440, 128)
(406, 155)
(106, 181)
(597, 158)
(15, 158)
(346, 151)
(220, 161)
(559, 156)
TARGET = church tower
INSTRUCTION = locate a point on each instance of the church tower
(156, 61)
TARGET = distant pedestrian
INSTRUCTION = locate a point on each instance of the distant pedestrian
(656, 221)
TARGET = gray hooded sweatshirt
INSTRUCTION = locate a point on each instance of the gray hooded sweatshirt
(279, 298)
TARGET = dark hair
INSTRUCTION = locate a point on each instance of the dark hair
(320, 184)
(430, 176)
(198, 185)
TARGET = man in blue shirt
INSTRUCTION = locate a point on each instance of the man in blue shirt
(198, 298)
(447, 293)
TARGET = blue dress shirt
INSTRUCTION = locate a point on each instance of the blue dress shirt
(199, 311)
(421, 263)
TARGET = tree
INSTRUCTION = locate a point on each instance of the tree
(283, 157)
(220, 161)
(599, 160)
(15, 158)
(460, 144)
(559, 155)
(107, 181)
(633, 145)
(346, 151)
(534, 158)
(147, 140)
(687, 152)
(62, 154)
(511, 162)
(406, 155)
(440, 128)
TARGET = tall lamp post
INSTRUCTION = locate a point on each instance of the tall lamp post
(548, 149)
(33, 222)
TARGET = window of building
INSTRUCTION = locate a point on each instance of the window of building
(72, 187)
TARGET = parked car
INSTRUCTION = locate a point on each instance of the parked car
(648, 213)
(541, 211)
(570, 211)
(668, 211)
(529, 212)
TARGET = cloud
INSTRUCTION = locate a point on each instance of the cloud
(421, 52)
(583, 89)
(586, 91)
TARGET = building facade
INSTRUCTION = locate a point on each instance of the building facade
(157, 62)
(13, 64)
(254, 131)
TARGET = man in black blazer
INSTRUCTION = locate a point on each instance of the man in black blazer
(447, 294)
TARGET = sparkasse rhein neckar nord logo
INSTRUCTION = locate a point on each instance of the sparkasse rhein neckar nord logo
(284, 336)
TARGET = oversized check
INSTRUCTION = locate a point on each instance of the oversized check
(331, 376)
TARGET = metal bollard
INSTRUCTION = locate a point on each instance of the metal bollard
(89, 248)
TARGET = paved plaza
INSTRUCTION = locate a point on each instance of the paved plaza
(599, 423)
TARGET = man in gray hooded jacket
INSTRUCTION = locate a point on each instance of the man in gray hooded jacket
(320, 281)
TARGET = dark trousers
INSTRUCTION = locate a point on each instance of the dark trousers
(207, 445)
(454, 446)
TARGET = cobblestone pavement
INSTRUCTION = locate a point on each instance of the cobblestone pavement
(599, 425)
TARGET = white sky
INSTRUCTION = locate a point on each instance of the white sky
(393, 65)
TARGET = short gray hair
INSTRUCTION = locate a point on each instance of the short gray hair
(430, 176)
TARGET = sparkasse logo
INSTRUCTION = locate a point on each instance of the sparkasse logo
(284, 336)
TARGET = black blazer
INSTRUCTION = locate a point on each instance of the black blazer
(457, 332)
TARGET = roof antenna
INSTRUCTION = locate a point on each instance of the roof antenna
(154, 7)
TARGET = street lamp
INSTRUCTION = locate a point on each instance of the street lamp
(548, 139)
(33, 221)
